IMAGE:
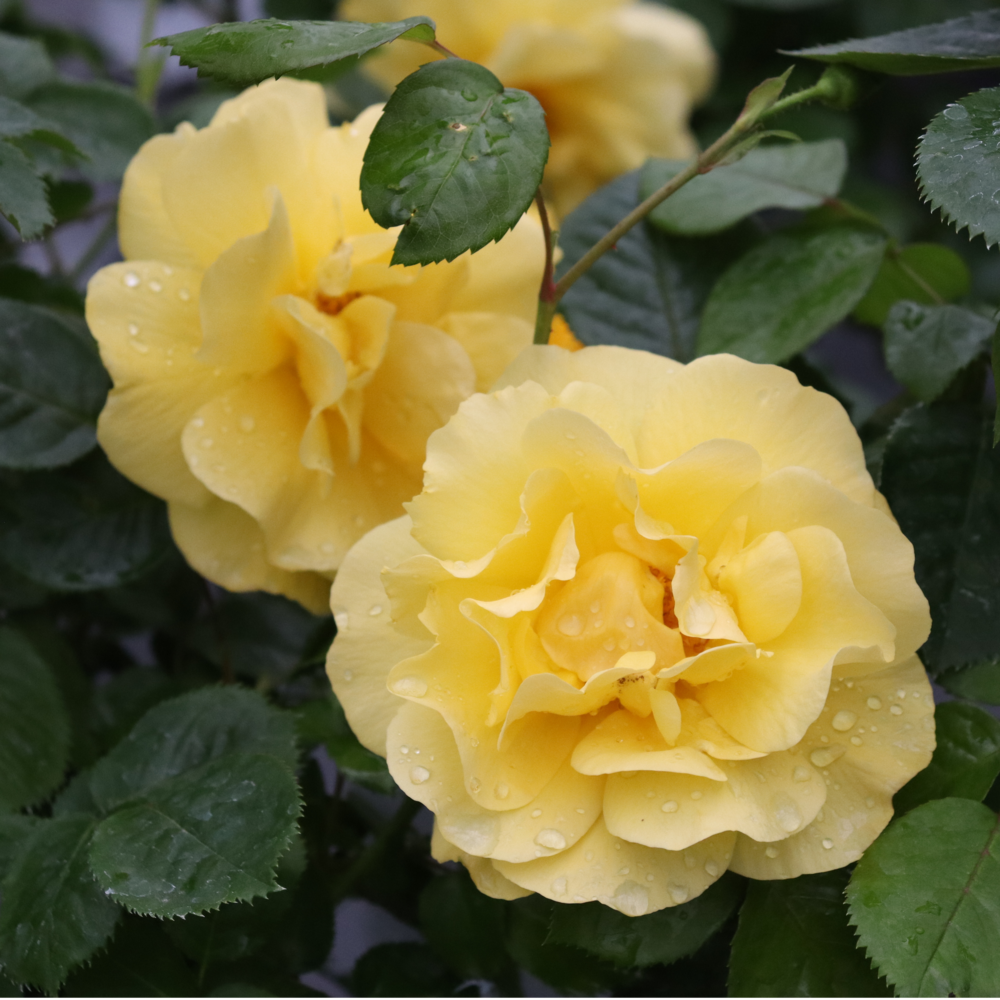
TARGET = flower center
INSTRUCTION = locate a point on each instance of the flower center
(332, 305)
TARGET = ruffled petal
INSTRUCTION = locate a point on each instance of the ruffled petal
(486, 878)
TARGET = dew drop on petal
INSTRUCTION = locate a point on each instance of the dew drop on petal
(418, 774)
(678, 893)
(404, 749)
(501, 791)
(896, 709)
(696, 795)
(410, 687)
(131, 279)
(348, 675)
(827, 844)
(856, 740)
(843, 721)
(711, 868)
(155, 286)
(771, 852)
(874, 703)
(560, 885)
(800, 773)
(570, 625)
(552, 839)
(474, 785)
(375, 609)
(670, 806)
(247, 424)
(535, 813)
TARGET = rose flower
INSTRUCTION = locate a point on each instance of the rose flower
(275, 379)
(617, 79)
(645, 622)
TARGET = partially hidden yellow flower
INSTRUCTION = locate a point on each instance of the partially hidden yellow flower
(617, 78)
(275, 379)
(645, 622)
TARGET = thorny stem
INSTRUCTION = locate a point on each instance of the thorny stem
(547, 292)
(706, 161)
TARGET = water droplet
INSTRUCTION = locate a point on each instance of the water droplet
(696, 795)
(131, 279)
(327, 548)
(630, 899)
(678, 893)
(570, 625)
(825, 756)
(711, 868)
(375, 609)
(133, 330)
(418, 774)
(184, 295)
(629, 621)
(843, 721)
(609, 644)
(559, 886)
(870, 802)
(474, 785)
(827, 844)
(551, 839)
(247, 423)
(856, 740)
(348, 675)
(595, 607)
(207, 442)
(900, 694)
(771, 852)
(589, 856)
(535, 813)
(624, 871)
(471, 95)
(155, 286)
(788, 817)
(874, 703)
(501, 791)
(954, 111)
(670, 806)
(198, 422)
(896, 709)
(800, 773)
(138, 346)
(410, 687)
(972, 145)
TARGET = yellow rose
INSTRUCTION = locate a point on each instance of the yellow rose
(648, 621)
(275, 380)
(617, 79)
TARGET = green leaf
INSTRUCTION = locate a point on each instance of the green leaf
(107, 122)
(924, 900)
(186, 732)
(54, 914)
(455, 159)
(657, 938)
(24, 65)
(649, 291)
(798, 176)
(26, 285)
(978, 682)
(211, 835)
(23, 196)
(14, 831)
(960, 44)
(141, 961)
(787, 292)
(401, 970)
(323, 721)
(34, 747)
(83, 528)
(928, 273)
(119, 704)
(995, 364)
(794, 940)
(242, 53)
(927, 346)
(941, 478)
(956, 164)
(966, 759)
(52, 387)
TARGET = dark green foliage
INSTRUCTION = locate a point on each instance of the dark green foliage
(940, 475)
(924, 900)
(52, 386)
(794, 941)
(966, 760)
(787, 292)
(648, 292)
(402, 970)
(979, 682)
(244, 53)
(971, 42)
(452, 138)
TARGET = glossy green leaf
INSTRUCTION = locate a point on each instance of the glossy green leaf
(925, 899)
(455, 159)
(52, 387)
(966, 759)
(926, 273)
(242, 53)
(963, 43)
(647, 293)
(657, 938)
(802, 175)
(105, 121)
(82, 528)
(14, 830)
(211, 835)
(978, 682)
(23, 196)
(34, 745)
(927, 346)
(54, 914)
(794, 940)
(787, 292)
(941, 477)
(141, 961)
(956, 163)
(186, 732)
(24, 65)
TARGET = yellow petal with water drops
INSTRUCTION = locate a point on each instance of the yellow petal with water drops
(770, 703)
(721, 396)
(628, 877)
(662, 554)
(423, 377)
(368, 645)
(556, 818)
(223, 543)
(875, 733)
(765, 583)
(666, 711)
(622, 742)
(492, 341)
(699, 730)
(701, 610)
(239, 330)
(144, 317)
(612, 606)
(763, 798)
(878, 554)
(145, 230)
(475, 473)
(718, 663)
(486, 878)
(216, 190)
(598, 405)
